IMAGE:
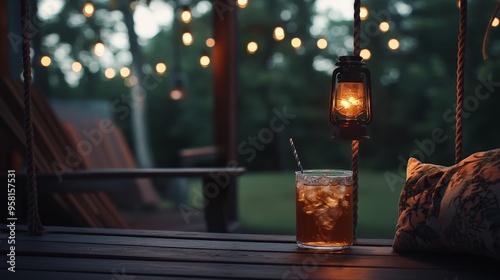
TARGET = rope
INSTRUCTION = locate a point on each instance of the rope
(357, 28)
(460, 79)
(34, 224)
(488, 29)
(355, 157)
(355, 143)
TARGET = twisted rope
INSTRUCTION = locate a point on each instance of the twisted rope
(357, 28)
(355, 157)
(355, 143)
(460, 79)
(34, 224)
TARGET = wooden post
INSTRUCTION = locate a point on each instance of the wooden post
(224, 87)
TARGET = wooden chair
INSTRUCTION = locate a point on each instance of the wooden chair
(72, 185)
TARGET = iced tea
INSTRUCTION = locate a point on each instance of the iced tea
(324, 209)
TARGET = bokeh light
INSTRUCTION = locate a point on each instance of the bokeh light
(161, 68)
(322, 43)
(393, 44)
(45, 61)
(252, 47)
(365, 54)
(88, 9)
(296, 43)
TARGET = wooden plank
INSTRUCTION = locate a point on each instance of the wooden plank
(58, 275)
(290, 247)
(104, 251)
(236, 271)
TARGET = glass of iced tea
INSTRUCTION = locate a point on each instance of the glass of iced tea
(324, 209)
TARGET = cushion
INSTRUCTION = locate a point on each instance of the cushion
(451, 209)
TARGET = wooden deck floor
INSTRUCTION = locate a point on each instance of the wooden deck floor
(85, 253)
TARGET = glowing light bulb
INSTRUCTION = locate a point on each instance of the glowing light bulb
(296, 43)
(161, 68)
(393, 44)
(322, 43)
(45, 61)
(99, 49)
(176, 94)
(109, 73)
(242, 3)
(204, 61)
(365, 54)
(186, 15)
(88, 9)
(279, 33)
(252, 47)
(384, 26)
(363, 13)
(187, 38)
(495, 22)
(76, 66)
(210, 42)
(124, 72)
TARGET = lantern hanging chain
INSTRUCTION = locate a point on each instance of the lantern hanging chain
(488, 29)
(460, 79)
(355, 143)
(35, 226)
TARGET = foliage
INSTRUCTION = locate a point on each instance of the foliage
(413, 87)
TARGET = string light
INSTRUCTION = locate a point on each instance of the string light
(187, 38)
(99, 49)
(161, 68)
(384, 26)
(76, 66)
(204, 61)
(45, 61)
(109, 73)
(279, 33)
(186, 15)
(176, 94)
(495, 22)
(322, 43)
(252, 47)
(210, 42)
(393, 44)
(363, 13)
(88, 9)
(365, 54)
(124, 72)
(296, 43)
(242, 3)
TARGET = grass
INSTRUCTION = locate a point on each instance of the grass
(266, 204)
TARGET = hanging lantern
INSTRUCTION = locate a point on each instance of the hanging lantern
(350, 103)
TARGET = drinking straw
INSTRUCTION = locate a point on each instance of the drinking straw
(296, 156)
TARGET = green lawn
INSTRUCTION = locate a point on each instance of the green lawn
(267, 204)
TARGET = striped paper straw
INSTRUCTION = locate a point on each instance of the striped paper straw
(296, 156)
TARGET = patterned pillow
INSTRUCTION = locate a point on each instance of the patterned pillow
(451, 209)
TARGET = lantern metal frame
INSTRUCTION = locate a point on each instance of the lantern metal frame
(351, 70)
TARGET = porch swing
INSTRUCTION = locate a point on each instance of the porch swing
(89, 204)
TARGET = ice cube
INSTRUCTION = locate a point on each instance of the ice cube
(308, 209)
(341, 189)
(323, 180)
(311, 195)
(331, 201)
(345, 203)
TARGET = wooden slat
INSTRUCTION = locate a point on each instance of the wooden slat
(105, 251)
(209, 269)
(110, 275)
